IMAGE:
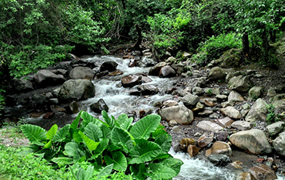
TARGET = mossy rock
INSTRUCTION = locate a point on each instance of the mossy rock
(230, 58)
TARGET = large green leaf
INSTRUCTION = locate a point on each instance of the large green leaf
(93, 132)
(138, 171)
(160, 171)
(35, 134)
(145, 126)
(164, 140)
(47, 145)
(72, 149)
(144, 151)
(88, 118)
(106, 132)
(118, 159)
(52, 131)
(92, 145)
(159, 131)
(124, 121)
(61, 161)
(107, 119)
(105, 171)
(174, 164)
(75, 123)
(62, 134)
(120, 138)
(100, 148)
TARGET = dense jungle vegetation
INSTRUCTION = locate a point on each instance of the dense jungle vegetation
(35, 34)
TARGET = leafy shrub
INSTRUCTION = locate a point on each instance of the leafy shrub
(140, 149)
(214, 47)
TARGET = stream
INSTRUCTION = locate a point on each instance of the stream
(119, 101)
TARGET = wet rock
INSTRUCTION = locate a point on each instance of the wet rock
(242, 125)
(148, 62)
(231, 112)
(225, 122)
(61, 71)
(209, 126)
(237, 164)
(37, 100)
(46, 78)
(205, 113)
(181, 114)
(156, 69)
(82, 73)
(185, 142)
(279, 144)
(116, 73)
(148, 89)
(205, 139)
(279, 101)
(255, 92)
(217, 73)
(221, 97)
(109, 66)
(262, 171)
(76, 89)
(258, 111)
(73, 107)
(239, 83)
(99, 106)
(172, 123)
(222, 135)
(219, 147)
(190, 100)
(219, 159)
(133, 63)
(167, 71)
(235, 97)
(275, 128)
(23, 84)
(170, 103)
(253, 140)
(245, 176)
(134, 92)
(85, 63)
(192, 150)
(131, 80)
(179, 67)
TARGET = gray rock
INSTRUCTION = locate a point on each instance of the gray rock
(46, 78)
(170, 103)
(23, 84)
(275, 128)
(148, 89)
(167, 71)
(271, 92)
(239, 83)
(235, 97)
(217, 73)
(73, 107)
(279, 144)
(262, 171)
(258, 111)
(219, 159)
(99, 106)
(255, 92)
(278, 101)
(82, 73)
(209, 126)
(109, 66)
(53, 101)
(156, 69)
(231, 112)
(241, 125)
(253, 140)
(180, 114)
(37, 100)
(225, 122)
(131, 80)
(76, 89)
(221, 97)
(197, 91)
(190, 100)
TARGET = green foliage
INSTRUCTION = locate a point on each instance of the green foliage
(272, 117)
(214, 47)
(109, 143)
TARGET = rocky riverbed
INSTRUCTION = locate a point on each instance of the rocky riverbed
(218, 115)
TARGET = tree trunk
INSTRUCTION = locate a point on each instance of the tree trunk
(245, 44)
(137, 45)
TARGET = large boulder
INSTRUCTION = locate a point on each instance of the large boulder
(22, 84)
(278, 101)
(275, 128)
(156, 69)
(258, 111)
(253, 140)
(167, 71)
(109, 66)
(82, 73)
(235, 97)
(46, 78)
(217, 73)
(255, 92)
(131, 80)
(180, 114)
(279, 144)
(190, 100)
(240, 83)
(76, 89)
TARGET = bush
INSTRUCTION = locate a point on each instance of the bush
(140, 149)
(214, 47)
